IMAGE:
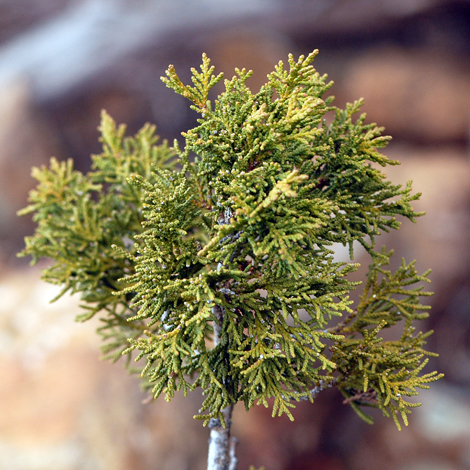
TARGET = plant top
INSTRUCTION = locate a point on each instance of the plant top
(214, 262)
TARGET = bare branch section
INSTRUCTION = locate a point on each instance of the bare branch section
(221, 454)
(322, 385)
(221, 448)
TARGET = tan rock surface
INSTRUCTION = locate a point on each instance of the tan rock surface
(25, 141)
(439, 240)
(64, 409)
(420, 95)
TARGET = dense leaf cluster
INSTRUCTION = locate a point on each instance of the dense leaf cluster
(217, 266)
(80, 217)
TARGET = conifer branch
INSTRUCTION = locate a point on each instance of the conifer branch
(217, 272)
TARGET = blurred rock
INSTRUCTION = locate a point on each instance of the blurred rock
(63, 409)
(18, 15)
(450, 321)
(445, 415)
(418, 95)
(439, 240)
(25, 140)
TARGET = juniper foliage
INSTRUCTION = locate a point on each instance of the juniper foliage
(232, 235)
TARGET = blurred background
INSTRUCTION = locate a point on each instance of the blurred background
(62, 61)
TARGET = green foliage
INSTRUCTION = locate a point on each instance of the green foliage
(377, 372)
(215, 263)
(80, 217)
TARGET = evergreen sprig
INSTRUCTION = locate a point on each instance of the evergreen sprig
(80, 217)
(374, 371)
(214, 262)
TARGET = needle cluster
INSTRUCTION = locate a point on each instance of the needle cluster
(214, 263)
